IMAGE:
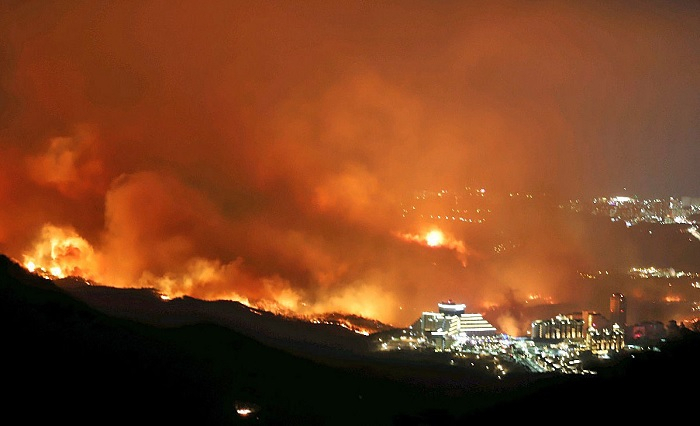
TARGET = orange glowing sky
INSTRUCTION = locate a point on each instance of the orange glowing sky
(260, 151)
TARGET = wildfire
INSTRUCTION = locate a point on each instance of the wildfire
(539, 298)
(435, 238)
(61, 252)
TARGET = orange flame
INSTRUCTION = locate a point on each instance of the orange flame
(436, 238)
(61, 252)
(540, 299)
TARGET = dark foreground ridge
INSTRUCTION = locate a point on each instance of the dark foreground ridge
(65, 361)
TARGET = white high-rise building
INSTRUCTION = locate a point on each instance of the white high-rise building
(452, 321)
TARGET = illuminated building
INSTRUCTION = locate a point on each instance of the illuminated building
(585, 327)
(451, 321)
(593, 320)
(618, 309)
(435, 323)
(606, 340)
(559, 328)
(451, 308)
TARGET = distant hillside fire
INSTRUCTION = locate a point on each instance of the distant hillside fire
(62, 254)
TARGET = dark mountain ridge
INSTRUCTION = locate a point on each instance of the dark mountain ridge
(146, 306)
(67, 361)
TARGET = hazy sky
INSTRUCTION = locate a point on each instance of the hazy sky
(258, 149)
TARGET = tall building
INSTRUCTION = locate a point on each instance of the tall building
(618, 309)
(451, 322)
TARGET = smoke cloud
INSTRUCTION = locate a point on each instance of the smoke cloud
(271, 152)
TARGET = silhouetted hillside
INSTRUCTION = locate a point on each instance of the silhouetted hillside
(68, 362)
(65, 361)
(146, 306)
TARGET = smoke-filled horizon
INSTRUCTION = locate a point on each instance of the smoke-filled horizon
(261, 151)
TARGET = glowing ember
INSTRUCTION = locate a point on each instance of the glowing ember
(435, 238)
(539, 298)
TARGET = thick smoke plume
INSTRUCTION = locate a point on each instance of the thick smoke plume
(268, 151)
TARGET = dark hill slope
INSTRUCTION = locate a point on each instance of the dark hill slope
(66, 362)
(145, 305)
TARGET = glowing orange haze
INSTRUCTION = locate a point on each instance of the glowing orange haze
(61, 252)
(263, 151)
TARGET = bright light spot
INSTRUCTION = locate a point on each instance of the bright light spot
(244, 411)
(30, 266)
(434, 238)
